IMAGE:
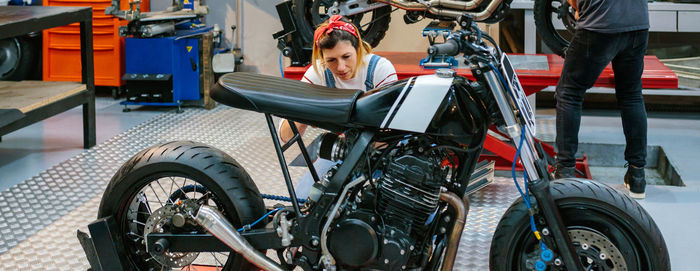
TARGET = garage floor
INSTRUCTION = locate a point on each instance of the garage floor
(50, 186)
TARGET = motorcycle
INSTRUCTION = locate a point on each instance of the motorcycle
(394, 200)
(300, 18)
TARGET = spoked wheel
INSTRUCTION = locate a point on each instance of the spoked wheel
(548, 11)
(609, 231)
(156, 209)
(372, 24)
(159, 191)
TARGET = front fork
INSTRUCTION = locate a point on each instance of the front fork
(533, 165)
(550, 212)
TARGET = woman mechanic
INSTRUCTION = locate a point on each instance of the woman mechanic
(340, 59)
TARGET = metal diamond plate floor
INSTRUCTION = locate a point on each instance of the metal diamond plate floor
(39, 217)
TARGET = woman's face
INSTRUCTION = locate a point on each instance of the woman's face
(341, 59)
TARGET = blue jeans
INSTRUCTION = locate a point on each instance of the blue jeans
(586, 58)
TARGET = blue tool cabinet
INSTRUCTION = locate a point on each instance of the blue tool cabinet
(163, 71)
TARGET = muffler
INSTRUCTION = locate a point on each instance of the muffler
(215, 223)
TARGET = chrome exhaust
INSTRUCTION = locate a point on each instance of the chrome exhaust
(493, 5)
(462, 208)
(452, 4)
(448, 8)
(217, 225)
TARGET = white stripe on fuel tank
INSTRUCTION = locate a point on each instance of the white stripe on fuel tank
(419, 107)
(396, 103)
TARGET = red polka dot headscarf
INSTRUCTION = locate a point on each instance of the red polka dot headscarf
(335, 23)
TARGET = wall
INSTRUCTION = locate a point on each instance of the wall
(402, 37)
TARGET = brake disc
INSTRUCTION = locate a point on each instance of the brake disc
(597, 249)
(160, 221)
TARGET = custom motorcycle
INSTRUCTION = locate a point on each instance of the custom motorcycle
(394, 200)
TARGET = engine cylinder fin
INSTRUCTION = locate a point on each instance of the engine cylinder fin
(409, 191)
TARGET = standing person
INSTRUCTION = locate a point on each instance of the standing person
(340, 59)
(607, 31)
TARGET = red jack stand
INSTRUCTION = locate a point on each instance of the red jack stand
(503, 153)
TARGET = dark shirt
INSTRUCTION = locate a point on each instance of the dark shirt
(613, 16)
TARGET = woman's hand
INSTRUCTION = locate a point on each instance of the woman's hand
(575, 6)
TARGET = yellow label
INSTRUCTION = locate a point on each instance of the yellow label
(186, 2)
(189, 48)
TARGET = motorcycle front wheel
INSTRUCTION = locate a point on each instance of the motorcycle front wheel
(609, 231)
(546, 12)
(160, 183)
(372, 24)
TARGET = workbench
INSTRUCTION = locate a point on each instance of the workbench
(26, 102)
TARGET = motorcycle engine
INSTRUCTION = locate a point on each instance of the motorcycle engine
(391, 218)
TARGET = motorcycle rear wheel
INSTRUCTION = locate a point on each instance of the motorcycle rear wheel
(600, 220)
(546, 10)
(311, 13)
(147, 186)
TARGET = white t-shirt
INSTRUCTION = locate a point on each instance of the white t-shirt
(384, 73)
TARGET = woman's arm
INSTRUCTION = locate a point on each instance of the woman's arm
(286, 133)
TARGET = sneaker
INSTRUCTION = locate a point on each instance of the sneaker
(561, 172)
(635, 182)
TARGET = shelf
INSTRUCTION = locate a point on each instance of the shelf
(29, 95)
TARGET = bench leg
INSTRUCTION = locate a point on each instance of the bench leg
(88, 76)
(89, 138)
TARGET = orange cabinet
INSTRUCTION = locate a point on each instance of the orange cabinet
(61, 45)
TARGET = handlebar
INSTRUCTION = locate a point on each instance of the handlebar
(450, 47)
(468, 41)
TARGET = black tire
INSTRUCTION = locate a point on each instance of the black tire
(585, 206)
(557, 40)
(232, 191)
(17, 58)
(310, 14)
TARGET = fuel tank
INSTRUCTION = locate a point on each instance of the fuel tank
(430, 104)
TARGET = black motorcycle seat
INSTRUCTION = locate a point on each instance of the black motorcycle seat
(285, 97)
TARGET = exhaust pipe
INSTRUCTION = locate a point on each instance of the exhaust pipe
(217, 225)
(417, 6)
(462, 208)
(448, 8)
